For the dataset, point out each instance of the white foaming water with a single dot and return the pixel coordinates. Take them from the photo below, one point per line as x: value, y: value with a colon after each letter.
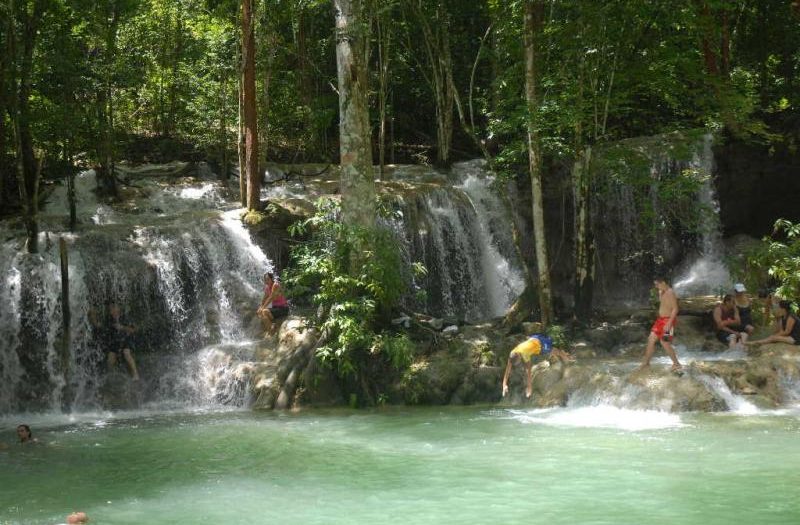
x: 504, y: 282
x: 736, y: 404
x: 686, y: 356
x: 600, y: 416
x: 252, y: 258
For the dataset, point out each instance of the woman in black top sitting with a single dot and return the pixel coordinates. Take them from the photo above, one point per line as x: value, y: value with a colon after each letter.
x: 745, y: 308
x: 789, y: 327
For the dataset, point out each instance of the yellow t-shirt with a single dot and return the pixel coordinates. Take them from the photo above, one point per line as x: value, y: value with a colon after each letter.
x: 528, y: 348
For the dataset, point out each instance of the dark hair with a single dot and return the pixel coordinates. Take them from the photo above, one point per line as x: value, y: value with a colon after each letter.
x: 728, y: 298
x: 27, y: 429
x: 660, y: 277
x: 270, y: 275
x: 786, y: 305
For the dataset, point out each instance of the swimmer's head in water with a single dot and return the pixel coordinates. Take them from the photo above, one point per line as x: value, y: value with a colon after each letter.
x: 76, y: 518
x: 24, y: 433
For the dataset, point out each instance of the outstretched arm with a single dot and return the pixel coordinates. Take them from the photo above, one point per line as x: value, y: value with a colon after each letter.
x: 505, y: 377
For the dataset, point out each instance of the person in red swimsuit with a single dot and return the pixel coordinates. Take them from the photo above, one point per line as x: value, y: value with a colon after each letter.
x: 662, y: 330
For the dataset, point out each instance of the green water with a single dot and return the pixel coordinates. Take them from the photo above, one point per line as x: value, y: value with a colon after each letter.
x: 407, y: 466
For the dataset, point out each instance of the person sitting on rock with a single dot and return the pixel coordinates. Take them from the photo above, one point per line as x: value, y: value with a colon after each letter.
x: 789, y: 329
x: 728, y: 323
x: 745, y: 307
x: 273, y: 306
x: 535, y: 345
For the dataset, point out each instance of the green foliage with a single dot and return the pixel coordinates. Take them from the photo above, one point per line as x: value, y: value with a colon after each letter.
x: 777, y: 261
x: 559, y: 336
x: 664, y: 200
x: 356, y: 278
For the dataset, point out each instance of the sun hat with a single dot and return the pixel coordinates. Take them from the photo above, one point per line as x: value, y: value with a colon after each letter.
x: 739, y: 288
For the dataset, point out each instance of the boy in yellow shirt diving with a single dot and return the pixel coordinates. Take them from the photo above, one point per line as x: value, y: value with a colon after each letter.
x: 535, y: 345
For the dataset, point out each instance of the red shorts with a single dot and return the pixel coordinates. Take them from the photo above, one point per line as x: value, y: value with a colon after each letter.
x: 660, y: 324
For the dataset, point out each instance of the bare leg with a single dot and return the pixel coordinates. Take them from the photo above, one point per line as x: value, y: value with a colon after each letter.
x: 529, y: 374
x: 266, y: 321
x: 774, y: 339
x: 126, y: 353
x: 676, y: 365
x: 648, y: 353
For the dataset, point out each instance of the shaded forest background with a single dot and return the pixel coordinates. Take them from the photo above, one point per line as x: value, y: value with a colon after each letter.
x: 88, y: 83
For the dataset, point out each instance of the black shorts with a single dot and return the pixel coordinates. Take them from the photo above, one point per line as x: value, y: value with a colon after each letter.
x: 279, y: 311
x: 724, y: 336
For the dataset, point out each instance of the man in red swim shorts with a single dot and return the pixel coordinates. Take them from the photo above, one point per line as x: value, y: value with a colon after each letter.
x: 663, y: 327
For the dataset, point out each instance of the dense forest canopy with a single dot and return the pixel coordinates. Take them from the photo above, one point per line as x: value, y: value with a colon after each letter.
x: 90, y: 82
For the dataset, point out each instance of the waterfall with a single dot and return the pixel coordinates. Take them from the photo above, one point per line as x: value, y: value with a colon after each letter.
x: 639, y: 232
x: 181, y: 271
x: 708, y: 273
x: 186, y: 273
x: 735, y: 403
x: 462, y: 234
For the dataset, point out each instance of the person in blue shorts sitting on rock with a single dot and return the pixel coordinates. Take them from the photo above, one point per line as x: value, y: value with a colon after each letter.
x: 535, y: 345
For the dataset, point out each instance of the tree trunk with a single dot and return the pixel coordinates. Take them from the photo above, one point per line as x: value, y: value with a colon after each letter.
x: 357, y: 182
x: 28, y: 169
x: 105, y: 111
x: 252, y: 173
x: 240, y: 141
x: 5, y: 90
x: 384, y: 34
x: 223, y: 126
x: 176, y: 52
x: 437, y: 49
x: 533, y: 11
x: 584, y: 239
x: 269, y: 46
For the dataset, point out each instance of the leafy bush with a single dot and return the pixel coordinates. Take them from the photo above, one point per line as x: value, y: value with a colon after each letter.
x: 356, y: 278
x: 777, y: 262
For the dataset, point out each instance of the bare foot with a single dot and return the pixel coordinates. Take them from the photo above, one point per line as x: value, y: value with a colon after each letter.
x: 676, y: 369
x: 642, y: 368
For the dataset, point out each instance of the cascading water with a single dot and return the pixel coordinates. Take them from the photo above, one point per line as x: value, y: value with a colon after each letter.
x: 639, y: 232
x: 736, y: 404
x: 708, y: 273
x: 181, y: 273
x: 182, y: 267
x: 462, y: 235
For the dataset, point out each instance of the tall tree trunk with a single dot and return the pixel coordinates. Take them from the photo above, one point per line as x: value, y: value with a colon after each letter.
x: 584, y: 238
x: 357, y: 178
x: 533, y: 12
x: 105, y: 101
x: 269, y: 47
x: 384, y: 36
x: 223, y: 126
x: 28, y: 169
x: 177, y: 51
x: 240, y: 138
x: 5, y: 91
x: 252, y: 172
x: 437, y: 49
